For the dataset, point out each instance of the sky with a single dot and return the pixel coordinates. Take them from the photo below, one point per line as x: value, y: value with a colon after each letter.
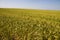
x: 31, y: 4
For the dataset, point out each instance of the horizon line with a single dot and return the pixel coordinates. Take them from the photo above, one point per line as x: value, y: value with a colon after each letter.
x: 27, y: 8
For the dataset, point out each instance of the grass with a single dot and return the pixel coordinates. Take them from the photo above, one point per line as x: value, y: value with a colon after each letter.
x: 28, y: 24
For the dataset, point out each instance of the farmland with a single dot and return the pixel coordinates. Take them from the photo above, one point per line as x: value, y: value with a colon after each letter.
x: 29, y: 24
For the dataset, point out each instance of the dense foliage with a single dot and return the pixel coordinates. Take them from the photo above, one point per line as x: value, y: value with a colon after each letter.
x: 29, y: 25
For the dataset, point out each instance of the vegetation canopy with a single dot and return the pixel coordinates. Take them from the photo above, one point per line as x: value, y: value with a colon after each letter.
x: 28, y: 24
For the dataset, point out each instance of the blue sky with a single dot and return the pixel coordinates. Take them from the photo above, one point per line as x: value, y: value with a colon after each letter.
x: 31, y: 4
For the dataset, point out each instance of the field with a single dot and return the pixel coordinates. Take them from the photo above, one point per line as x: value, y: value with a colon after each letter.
x: 29, y: 24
